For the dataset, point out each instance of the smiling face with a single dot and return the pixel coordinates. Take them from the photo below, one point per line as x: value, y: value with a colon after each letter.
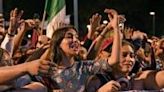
x: 127, y: 59
x: 70, y: 43
x: 64, y: 42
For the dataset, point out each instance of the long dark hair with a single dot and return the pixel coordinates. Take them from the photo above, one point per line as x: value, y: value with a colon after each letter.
x: 57, y: 37
x: 136, y: 66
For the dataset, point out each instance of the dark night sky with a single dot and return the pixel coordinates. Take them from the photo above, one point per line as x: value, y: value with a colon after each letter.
x: 136, y: 11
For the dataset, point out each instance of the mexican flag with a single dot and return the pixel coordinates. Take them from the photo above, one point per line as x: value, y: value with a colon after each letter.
x: 56, y: 12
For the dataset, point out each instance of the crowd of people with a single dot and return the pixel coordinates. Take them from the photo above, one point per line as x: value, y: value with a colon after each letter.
x: 111, y: 58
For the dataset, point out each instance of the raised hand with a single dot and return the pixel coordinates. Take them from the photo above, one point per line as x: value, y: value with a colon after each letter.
x: 94, y: 24
x: 95, y: 21
x: 1, y: 21
x: 15, y: 20
x: 28, y: 24
x: 113, y: 17
x: 2, y: 29
x: 117, y: 36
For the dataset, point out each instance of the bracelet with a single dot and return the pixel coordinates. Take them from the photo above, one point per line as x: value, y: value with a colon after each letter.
x: 11, y: 35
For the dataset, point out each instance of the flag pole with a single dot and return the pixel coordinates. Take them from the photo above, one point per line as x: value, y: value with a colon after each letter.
x: 42, y: 23
x: 1, y: 6
x: 75, y: 4
x: 43, y: 18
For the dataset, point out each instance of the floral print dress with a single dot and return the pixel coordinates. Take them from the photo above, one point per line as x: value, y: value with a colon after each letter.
x: 73, y: 79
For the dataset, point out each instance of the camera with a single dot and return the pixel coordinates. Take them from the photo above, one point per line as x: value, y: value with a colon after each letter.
x: 125, y: 84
